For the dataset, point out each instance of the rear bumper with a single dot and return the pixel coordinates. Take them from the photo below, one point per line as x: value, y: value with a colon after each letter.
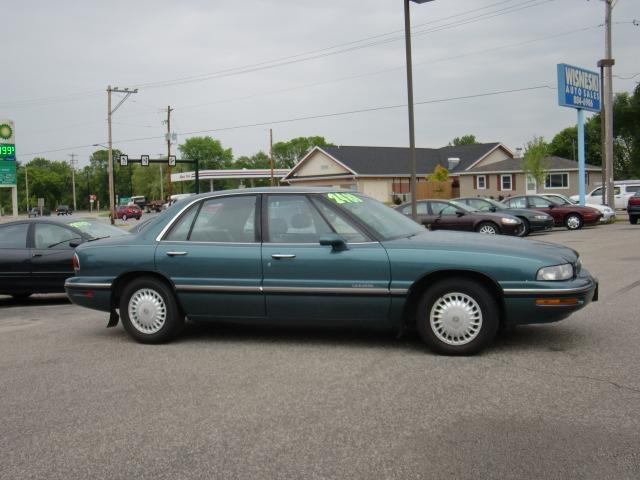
x: 95, y: 294
x: 521, y: 305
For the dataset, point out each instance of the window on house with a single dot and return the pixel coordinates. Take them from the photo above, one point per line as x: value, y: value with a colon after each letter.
x: 557, y: 180
x: 505, y: 181
x: 482, y: 182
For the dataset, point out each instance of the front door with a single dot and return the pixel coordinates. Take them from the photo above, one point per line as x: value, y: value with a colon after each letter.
x: 532, y: 186
x: 447, y: 218
x: 305, y: 282
x: 212, y: 255
x: 547, y: 206
x: 51, y: 256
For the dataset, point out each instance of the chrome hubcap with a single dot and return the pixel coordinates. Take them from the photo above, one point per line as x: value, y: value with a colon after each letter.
x: 488, y: 229
x: 147, y: 311
x: 456, y: 318
x: 573, y: 222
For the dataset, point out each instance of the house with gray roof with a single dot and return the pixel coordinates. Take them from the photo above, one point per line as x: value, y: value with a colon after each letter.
x: 483, y: 169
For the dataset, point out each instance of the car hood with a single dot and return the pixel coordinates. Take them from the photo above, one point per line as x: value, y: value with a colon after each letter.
x: 459, y: 242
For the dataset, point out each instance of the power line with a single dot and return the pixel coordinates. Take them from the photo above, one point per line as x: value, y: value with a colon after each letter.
x: 309, y: 117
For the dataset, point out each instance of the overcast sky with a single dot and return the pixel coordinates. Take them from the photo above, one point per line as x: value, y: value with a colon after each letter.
x: 60, y: 56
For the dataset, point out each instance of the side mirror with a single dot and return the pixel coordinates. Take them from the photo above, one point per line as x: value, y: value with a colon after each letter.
x: 552, y: 206
x: 492, y: 208
x: 75, y: 242
x: 459, y: 213
x: 334, y: 240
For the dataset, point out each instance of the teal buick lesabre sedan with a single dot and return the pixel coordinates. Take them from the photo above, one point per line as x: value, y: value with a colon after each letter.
x: 321, y: 256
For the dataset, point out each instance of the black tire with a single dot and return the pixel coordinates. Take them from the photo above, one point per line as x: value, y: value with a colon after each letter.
x: 526, y: 228
x: 466, y: 289
x: 124, y: 218
x: 21, y: 296
x: 154, y: 289
x: 573, y: 221
x: 486, y: 227
x: 633, y: 219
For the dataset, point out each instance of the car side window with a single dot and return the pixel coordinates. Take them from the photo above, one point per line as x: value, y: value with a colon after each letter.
x: 520, y: 202
x: 14, y: 236
x: 633, y: 188
x: 226, y: 219
x: 181, y: 229
x: 596, y: 192
x: 479, y: 205
x: 53, y: 237
x: 421, y: 207
x: 293, y: 219
x: 340, y: 225
x: 539, y: 202
x: 438, y: 207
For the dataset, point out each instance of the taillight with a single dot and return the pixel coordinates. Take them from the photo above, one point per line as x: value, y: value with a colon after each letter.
x: 635, y: 200
x: 76, y: 262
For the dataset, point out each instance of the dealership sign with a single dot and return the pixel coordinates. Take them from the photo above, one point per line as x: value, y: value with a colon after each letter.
x: 578, y: 88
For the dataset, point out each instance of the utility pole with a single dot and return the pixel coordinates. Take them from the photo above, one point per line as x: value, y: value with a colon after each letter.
x: 26, y: 185
x: 169, y: 189
x: 111, y: 111
x: 608, y: 106
x: 73, y: 178
x: 161, y: 182
x: 271, y: 154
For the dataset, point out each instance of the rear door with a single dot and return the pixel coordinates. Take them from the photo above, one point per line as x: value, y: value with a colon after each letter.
x: 212, y: 255
x: 547, y: 206
x: 51, y: 256
x: 14, y: 258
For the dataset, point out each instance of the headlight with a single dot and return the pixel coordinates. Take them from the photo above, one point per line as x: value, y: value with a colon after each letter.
x: 556, y: 272
x: 509, y: 221
x: 541, y: 217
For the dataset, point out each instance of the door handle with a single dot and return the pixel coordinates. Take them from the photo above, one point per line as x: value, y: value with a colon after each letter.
x: 282, y: 256
x: 176, y: 254
x: 36, y: 255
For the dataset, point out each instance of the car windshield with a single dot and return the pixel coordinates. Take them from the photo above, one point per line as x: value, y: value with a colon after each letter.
x: 497, y: 204
x: 462, y: 206
x: 95, y: 229
x: 559, y: 199
x: 385, y: 221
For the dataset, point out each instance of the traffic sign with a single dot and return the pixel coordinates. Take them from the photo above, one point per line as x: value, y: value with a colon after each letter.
x: 124, y: 160
x: 172, y: 160
x: 144, y: 160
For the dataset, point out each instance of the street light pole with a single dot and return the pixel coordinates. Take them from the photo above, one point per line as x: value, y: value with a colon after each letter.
x: 412, y: 138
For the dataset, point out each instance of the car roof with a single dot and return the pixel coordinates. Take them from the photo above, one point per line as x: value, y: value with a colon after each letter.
x: 57, y: 220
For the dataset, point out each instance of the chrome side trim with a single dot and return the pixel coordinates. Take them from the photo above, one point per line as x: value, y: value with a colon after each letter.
x: 94, y: 286
x: 218, y: 288
x: 544, y: 291
x: 398, y: 291
x: 313, y: 290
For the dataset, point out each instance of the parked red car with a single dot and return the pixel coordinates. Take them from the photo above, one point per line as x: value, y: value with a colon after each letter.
x: 128, y: 211
x: 633, y: 208
x: 571, y: 216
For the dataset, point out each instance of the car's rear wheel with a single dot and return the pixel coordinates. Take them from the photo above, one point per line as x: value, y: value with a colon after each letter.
x: 526, y: 228
x: 149, y: 311
x: 573, y: 221
x: 488, y: 228
x: 457, y: 316
x: 633, y: 219
x: 124, y: 217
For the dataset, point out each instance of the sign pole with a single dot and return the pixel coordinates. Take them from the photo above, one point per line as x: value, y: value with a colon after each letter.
x: 581, y: 161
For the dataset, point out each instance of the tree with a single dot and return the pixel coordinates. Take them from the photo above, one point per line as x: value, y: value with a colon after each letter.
x: 439, y: 177
x: 209, y: 152
x: 464, y: 140
x: 536, y: 152
x: 257, y: 160
x: 287, y: 154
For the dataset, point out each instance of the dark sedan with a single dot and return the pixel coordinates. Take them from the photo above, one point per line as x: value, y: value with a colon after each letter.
x: 452, y: 215
x: 36, y: 254
x: 532, y: 220
x: 64, y: 210
x: 571, y: 216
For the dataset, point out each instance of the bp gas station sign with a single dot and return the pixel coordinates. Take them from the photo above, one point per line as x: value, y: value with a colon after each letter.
x: 7, y: 153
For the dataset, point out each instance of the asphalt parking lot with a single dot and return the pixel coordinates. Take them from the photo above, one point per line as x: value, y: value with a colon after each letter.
x: 551, y: 401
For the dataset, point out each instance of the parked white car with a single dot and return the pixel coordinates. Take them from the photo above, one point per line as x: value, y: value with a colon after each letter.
x: 608, y: 214
x: 623, y: 190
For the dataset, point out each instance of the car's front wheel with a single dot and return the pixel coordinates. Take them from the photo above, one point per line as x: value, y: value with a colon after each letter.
x: 149, y: 311
x: 525, y: 227
x: 573, y: 221
x: 488, y: 228
x: 124, y: 217
x: 633, y: 220
x: 457, y: 316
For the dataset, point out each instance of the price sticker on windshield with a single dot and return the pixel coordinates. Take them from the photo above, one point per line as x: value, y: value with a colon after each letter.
x: 344, y: 198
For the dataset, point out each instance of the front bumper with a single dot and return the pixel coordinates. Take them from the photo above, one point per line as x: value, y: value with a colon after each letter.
x: 539, y: 225
x: 521, y: 307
